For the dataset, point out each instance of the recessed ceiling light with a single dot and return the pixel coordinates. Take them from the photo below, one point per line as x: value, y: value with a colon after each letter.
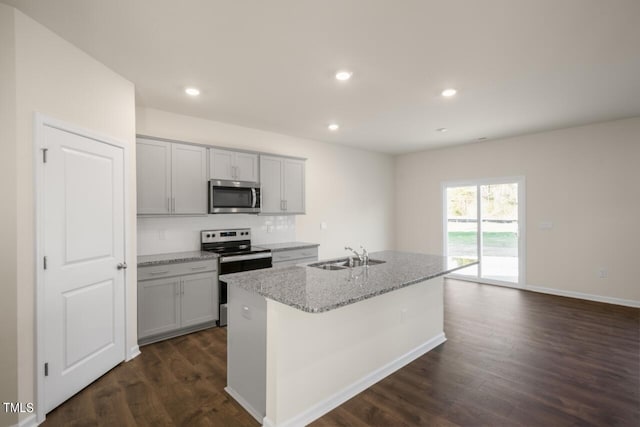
x: 192, y: 91
x: 343, y: 75
x: 449, y: 92
x: 442, y: 129
x: 334, y: 127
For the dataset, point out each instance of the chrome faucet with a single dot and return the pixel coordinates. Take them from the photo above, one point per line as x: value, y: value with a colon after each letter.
x: 365, y: 255
x: 363, y: 258
x: 347, y: 248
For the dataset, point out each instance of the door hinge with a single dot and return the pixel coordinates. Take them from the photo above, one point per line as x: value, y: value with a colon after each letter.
x: 46, y: 369
x: 44, y: 155
x: 44, y: 262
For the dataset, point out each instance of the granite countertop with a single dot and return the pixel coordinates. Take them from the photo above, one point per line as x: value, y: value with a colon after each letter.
x: 174, y: 257
x: 275, y: 247
x: 315, y: 290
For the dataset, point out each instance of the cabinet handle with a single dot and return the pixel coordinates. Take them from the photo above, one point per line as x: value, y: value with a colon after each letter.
x: 182, y: 288
x: 285, y: 205
x: 158, y: 272
x: 237, y: 171
x: 199, y: 268
x: 178, y: 290
x: 173, y: 204
x: 169, y: 204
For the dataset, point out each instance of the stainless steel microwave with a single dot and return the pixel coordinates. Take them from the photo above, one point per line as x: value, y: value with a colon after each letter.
x: 234, y: 197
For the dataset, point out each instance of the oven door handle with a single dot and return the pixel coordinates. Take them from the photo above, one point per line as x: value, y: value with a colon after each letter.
x: 232, y: 258
x: 253, y: 198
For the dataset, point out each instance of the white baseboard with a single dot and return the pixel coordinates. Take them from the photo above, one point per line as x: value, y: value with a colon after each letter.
x: 580, y: 295
x: 133, y: 353
x: 246, y: 405
x: 30, y: 421
x: 332, y: 402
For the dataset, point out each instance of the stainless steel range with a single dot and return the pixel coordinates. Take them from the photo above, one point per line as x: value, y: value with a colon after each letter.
x: 236, y: 255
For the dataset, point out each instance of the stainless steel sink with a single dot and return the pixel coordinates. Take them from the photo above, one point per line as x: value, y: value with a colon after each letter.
x: 329, y: 266
x: 341, y: 264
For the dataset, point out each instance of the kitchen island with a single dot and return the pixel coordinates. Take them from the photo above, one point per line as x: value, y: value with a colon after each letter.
x: 303, y: 340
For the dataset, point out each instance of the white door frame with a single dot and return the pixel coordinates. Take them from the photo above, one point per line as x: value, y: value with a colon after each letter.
x: 40, y: 122
x: 522, y: 260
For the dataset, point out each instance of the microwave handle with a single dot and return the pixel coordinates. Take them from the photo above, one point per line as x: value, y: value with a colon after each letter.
x: 253, y: 198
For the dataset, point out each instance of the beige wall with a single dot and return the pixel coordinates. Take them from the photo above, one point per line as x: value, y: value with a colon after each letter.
x: 58, y: 80
x: 350, y: 189
x: 8, y: 217
x: 584, y: 179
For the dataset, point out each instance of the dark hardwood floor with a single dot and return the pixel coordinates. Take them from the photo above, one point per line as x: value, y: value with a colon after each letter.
x: 512, y: 358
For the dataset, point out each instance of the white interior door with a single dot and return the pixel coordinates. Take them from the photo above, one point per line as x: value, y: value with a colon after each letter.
x: 83, y: 244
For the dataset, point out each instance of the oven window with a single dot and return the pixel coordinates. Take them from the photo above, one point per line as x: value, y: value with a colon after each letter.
x: 231, y: 197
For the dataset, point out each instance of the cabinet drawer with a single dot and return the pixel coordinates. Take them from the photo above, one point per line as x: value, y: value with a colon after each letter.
x: 178, y: 269
x: 295, y: 254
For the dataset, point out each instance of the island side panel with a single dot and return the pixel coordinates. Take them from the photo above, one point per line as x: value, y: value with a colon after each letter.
x: 246, y: 350
x: 316, y: 361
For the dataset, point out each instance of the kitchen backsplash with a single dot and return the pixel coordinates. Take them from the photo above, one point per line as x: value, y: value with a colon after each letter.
x: 177, y: 234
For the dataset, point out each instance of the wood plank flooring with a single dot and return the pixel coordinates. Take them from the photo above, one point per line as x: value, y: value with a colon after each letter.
x: 512, y: 358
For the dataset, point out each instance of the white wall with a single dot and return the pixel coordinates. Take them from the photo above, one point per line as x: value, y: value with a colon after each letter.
x: 177, y: 234
x: 8, y: 217
x: 350, y: 189
x: 586, y: 180
x: 58, y: 80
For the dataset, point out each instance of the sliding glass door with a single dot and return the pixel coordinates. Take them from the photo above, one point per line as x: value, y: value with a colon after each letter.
x: 483, y: 220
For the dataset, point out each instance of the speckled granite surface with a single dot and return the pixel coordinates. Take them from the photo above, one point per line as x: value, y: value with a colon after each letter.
x: 275, y: 247
x: 315, y: 290
x: 175, y: 257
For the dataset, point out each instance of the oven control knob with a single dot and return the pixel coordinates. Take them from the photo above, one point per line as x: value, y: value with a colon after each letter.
x: 213, y: 235
x: 208, y: 235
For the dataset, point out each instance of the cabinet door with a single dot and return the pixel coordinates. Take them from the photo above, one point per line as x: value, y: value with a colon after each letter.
x: 153, y: 164
x: 246, y: 167
x: 199, y: 298
x: 189, y: 179
x: 293, y: 186
x: 158, y: 306
x: 271, y: 183
x: 221, y: 164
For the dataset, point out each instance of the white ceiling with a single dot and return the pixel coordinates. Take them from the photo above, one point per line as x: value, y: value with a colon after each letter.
x: 519, y: 65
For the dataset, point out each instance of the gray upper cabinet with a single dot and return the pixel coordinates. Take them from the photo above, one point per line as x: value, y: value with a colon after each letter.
x: 271, y: 183
x: 171, y: 178
x: 189, y: 179
x: 283, y: 185
x: 153, y: 163
x: 233, y: 165
x: 293, y: 186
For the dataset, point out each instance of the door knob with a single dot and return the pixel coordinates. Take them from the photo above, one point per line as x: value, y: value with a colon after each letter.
x: 122, y: 266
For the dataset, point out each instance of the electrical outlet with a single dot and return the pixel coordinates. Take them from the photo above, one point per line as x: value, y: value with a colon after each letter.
x: 603, y: 273
x: 323, y: 225
x: 162, y: 235
x: 269, y: 228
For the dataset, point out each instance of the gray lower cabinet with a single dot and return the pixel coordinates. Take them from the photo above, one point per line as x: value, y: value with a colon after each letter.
x: 295, y: 256
x: 175, y: 299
